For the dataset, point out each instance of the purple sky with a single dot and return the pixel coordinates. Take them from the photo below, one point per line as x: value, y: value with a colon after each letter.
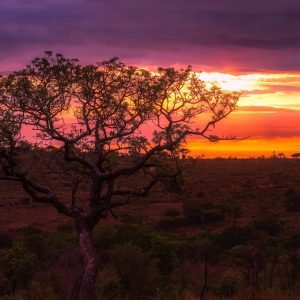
x: 250, y: 36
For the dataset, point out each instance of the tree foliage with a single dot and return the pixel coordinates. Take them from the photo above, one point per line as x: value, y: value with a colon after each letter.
x: 95, y: 114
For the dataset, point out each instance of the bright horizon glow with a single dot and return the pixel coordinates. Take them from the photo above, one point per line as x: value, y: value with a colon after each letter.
x: 268, y: 112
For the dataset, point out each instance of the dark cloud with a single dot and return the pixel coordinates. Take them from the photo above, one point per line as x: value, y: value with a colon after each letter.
x: 252, y: 35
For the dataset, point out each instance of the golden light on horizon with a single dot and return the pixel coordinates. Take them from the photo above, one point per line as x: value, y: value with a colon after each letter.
x: 268, y: 112
x: 231, y: 82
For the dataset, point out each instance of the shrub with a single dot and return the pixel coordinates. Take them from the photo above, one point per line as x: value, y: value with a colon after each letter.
x: 133, y: 219
x: 18, y: 267
x: 212, y: 215
x: 24, y: 201
x: 227, y: 284
x: 113, y: 290
x: 136, y: 271
x: 105, y: 237
x: 294, y: 242
x: 171, y: 212
x: 269, y: 224
x: 174, y: 222
x: 234, y: 236
x: 292, y: 201
x: 200, y: 212
x: 232, y: 209
x: 66, y: 227
x: 5, y: 241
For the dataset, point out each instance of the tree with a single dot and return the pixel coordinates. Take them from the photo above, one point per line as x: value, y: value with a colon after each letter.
x: 96, y: 113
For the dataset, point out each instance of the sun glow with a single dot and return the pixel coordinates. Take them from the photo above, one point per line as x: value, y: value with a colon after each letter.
x: 231, y: 82
x: 268, y: 112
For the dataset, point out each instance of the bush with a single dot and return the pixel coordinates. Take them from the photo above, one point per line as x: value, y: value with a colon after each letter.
x: 113, y: 291
x: 18, y: 266
x: 292, y: 201
x: 136, y: 271
x: 234, y: 236
x: 212, y: 215
x: 66, y: 227
x: 171, y: 212
x: 5, y: 241
x: 269, y: 224
x: 133, y: 219
x: 24, y: 201
x: 174, y: 222
x: 226, y: 285
x: 200, y: 212
x: 294, y: 242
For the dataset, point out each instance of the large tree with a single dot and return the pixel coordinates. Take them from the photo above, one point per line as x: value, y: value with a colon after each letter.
x: 97, y: 113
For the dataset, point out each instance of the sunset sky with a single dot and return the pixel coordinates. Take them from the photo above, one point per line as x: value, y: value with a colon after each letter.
x: 251, y: 46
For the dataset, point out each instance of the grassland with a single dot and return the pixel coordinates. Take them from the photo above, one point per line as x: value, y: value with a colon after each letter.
x: 236, y: 219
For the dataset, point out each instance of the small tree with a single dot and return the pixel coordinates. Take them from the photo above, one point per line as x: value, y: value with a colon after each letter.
x: 97, y: 113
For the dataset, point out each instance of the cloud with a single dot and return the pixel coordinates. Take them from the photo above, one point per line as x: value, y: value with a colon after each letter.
x: 253, y: 35
x: 265, y: 109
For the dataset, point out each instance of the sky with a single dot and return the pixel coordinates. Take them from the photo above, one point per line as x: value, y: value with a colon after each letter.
x: 252, y: 46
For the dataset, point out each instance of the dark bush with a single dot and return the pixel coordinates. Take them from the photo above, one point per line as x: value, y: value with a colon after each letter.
x: 234, y: 236
x: 136, y: 271
x: 113, y: 290
x: 171, y: 212
x: 5, y: 240
x: 294, y: 242
x: 66, y: 227
x: 24, y: 201
x: 174, y: 222
x: 18, y: 266
x: 202, y: 212
x: 212, y: 215
x: 269, y: 224
x: 36, y: 243
x: 226, y: 285
x: 292, y: 201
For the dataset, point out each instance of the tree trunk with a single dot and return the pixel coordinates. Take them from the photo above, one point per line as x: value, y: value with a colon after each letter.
x: 90, y: 265
x: 204, y: 287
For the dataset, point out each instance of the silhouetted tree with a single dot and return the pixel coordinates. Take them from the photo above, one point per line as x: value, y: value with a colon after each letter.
x: 95, y: 112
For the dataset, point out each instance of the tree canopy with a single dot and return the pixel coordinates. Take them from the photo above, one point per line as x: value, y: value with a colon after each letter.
x: 96, y: 113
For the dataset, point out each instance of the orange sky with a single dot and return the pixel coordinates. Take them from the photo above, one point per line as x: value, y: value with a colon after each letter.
x: 268, y: 112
